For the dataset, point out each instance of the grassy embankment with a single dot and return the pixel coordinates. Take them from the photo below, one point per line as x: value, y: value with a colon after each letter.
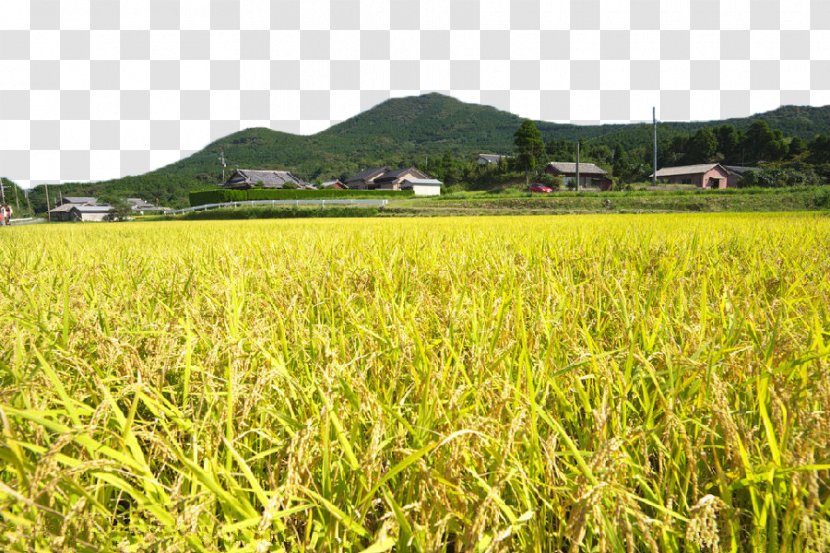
x: 520, y: 202
x: 591, y: 383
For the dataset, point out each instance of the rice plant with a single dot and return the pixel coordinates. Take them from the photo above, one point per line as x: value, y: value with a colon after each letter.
x: 590, y: 383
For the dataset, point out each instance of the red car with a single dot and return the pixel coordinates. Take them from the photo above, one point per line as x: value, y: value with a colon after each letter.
x: 541, y: 188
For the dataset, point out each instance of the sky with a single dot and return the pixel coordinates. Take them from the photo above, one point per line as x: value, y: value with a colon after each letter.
x: 98, y: 89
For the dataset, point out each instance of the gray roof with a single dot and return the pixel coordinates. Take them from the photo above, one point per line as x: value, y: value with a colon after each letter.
x: 686, y: 170
x: 138, y: 203
x: 269, y: 179
x: 570, y: 168
x: 92, y: 208
x: 424, y: 182
x: 63, y: 208
x: 739, y: 170
x: 491, y: 158
x: 79, y: 200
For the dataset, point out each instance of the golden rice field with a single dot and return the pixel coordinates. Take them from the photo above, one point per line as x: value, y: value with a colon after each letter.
x: 589, y: 383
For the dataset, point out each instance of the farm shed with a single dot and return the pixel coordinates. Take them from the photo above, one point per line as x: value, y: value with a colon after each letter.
x: 423, y: 187
x: 90, y: 213
x: 61, y: 213
x: 590, y: 175
x: 709, y: 175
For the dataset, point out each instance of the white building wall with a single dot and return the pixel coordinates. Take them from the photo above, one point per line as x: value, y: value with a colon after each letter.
x: 426, y: 190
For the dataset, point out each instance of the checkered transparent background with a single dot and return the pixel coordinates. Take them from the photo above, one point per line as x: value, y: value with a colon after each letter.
x: 96, y: 89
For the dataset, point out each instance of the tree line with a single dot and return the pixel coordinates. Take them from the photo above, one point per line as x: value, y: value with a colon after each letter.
x: 781, y: 160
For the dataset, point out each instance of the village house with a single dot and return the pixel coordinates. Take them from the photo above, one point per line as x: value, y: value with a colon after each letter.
x: 383, y: 178
x: 243, y: 179
x: 708, y: 175
x: 490, y: 159
x: 590, y: 175
x: 62, y: 213
x: 80, y: 212
x: 393, y: 180
x: 365, y: 180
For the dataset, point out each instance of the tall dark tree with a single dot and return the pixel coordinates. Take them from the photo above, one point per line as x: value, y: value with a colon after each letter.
x: 451, y: 171
x: 820, y: 149
x: 761, y: 143
x: 729, y: 140
x: 561, y: 150
x: 798, y: 146
x: 703, y: 146
x: 529, y: 147
x: 600, y: 153
x: 621, y: 163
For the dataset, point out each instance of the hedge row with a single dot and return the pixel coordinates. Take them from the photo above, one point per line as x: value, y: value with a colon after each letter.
x: 222, y: 195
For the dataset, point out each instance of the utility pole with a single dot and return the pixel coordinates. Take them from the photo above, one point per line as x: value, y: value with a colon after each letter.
x: 654, y: 118
x: 577, y: 165
x: 48, y: 215
x: 224, y: 164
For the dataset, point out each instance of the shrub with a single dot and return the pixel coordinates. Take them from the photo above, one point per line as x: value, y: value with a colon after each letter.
x: 221, y: 195
x: 779, y: 176
x: 553, y: 181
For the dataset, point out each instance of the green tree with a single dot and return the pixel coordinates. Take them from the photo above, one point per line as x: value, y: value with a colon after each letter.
x: 703, y: 146
x: 121, y: 210
x: 820, y: 149
x: 729, y: 141
x: 761, y: 143
x: 798, y: 146
x: 529, y: 147
x: 450, y: 169
x: 620, y: 166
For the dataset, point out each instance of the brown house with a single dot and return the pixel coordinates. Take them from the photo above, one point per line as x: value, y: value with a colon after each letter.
x: 708, y: 175
x: 393, y: 180
x: 365, y: 180
x: 383, y: 178
x: 590, y: 175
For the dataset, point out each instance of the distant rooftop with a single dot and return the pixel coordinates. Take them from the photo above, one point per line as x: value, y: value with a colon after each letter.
x: 584, y: 168
x: 698, y: 169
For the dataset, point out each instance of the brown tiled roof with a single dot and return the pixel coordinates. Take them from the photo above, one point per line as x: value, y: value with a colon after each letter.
x: 398, y: 173
x: 368, y: 174
x: 570, y: 168
x: 698, y: 169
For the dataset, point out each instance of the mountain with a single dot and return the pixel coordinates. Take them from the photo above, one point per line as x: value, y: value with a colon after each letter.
x: 404, y: 131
